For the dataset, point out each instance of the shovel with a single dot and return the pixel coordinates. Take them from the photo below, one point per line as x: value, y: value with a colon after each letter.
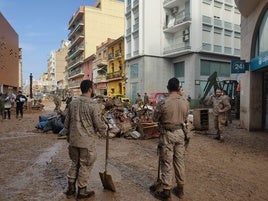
x: 106, y: 179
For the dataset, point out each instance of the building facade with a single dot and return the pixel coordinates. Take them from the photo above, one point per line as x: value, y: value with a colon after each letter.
x: 254, y: 50
x: 56, y: 66
x: 186, y: 39
x: 116, y: 74
x: 10, y: 57
x: 89, y: 26
x: 100, y: 68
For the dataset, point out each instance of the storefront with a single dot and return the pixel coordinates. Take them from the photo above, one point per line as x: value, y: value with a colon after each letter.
x: 254, y: 49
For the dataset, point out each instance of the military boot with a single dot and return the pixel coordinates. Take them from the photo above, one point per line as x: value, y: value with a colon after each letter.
x: 178, y: 191
x: 83, y: 193
x: 162, y: 195
x: 71, y: 190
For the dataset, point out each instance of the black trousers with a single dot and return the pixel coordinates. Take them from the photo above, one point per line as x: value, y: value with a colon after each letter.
x: 19, y: 110
x: 7, y: 113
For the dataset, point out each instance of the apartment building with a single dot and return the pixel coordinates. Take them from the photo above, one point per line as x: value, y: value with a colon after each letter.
x: 187, y: 39
x: 100, y: 67
x: 10, y: 57
x: 56, y: 64
x: 116, y: 75
x: 254, y: 50
x: 89, y: 26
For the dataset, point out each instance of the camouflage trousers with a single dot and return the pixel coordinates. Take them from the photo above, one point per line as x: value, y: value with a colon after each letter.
x: 172, y: 155
x: 219, y: 122
x: 82, y: 163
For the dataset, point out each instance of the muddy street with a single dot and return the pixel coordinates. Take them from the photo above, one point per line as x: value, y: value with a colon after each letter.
x: 34, y: 165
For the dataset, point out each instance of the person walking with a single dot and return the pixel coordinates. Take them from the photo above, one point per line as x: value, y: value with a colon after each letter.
x: 145, y: 99
x: 138, y: 100
x: 20, y: 100
x: 171, y: 113
x: 83, y: 120
x: 8, y: 101
x: 220, y: 106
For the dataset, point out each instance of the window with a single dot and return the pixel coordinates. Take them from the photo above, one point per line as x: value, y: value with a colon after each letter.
x: 209, y: 67
x: 179, y: 69
x: 262, y: 40
x: 134, y: 71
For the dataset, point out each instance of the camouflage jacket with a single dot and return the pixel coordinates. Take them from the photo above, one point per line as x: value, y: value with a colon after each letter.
x: 83, y: 121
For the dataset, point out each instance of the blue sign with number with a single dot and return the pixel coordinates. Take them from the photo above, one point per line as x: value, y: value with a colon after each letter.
x: 238, y: 66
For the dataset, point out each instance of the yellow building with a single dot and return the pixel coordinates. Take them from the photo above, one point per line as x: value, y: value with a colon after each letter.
x: 89, y: 26
x: 116, y: 68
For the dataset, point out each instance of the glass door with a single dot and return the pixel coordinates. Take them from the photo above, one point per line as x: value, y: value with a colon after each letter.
x: 265, y: 101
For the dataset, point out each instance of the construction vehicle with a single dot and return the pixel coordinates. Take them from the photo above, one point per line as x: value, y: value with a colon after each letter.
x: 230, y: 86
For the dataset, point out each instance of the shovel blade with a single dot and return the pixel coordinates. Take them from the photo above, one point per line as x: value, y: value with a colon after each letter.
x: 107, y: 181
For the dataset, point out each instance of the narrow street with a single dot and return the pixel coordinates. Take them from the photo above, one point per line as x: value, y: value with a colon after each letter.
x: 34, y: 165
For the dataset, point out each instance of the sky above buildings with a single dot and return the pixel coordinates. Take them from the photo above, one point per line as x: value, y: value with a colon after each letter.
x: 41, y: 26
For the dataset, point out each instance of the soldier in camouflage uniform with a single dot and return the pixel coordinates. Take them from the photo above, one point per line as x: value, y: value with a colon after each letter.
x: 83, y: 120
x: 171, y: 113
x: 220, y: 106
x: 57, y: 102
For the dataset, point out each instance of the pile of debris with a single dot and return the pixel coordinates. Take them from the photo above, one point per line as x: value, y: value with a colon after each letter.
x: 129, y: 121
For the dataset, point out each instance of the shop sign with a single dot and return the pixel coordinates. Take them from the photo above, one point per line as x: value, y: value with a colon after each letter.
x: 259, y: 62
x: 238, y: 66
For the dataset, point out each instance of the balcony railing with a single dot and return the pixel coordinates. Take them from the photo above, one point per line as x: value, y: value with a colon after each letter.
x: 118, y: 53
x: 100, y: 79
x: 180, y: 18
x: 75, y: 73
x: 77, y: 39
x: 75, y: 62
x: 74, y: 51
x: 176, y: 48
x: 117, y: 74
x: 77, y: 28
x: 74, y: 84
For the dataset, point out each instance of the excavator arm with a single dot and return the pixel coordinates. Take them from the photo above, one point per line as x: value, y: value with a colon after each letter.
x: 212, y: 82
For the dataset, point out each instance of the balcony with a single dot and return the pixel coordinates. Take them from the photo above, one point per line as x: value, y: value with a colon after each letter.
x: 114, y: 76
x: 75, y: 73
x: 170, y: 3
x: 100, y: 79
x: 177, y: 49
x: 76, y: 29
x: 77, y: 16
x: 118, y: 53
x: 76, y: 40
x: 175, y: 23
x: 75, y: 51
x: 77, y: 61
x: 101, y: 62
x: 74, y: 84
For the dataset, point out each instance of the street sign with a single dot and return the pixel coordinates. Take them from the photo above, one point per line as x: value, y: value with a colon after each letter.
x: 238, y: 66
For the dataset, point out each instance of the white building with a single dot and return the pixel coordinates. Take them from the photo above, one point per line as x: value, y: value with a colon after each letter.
x: 187, y: 39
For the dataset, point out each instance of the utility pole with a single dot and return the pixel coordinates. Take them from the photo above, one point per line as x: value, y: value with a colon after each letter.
x: 31, y: 86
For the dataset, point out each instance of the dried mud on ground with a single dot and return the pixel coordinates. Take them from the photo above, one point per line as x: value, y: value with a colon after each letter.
x: 34, y: 165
